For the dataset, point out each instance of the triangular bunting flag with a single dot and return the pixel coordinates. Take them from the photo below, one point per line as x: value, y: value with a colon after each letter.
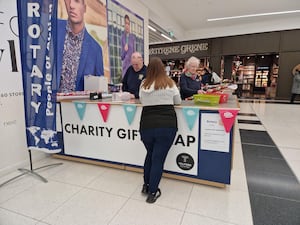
x: 104, y: 110
x: 228, y: 117
x: 130, y: 112
x: 80, y: 108
x: 190, y: 115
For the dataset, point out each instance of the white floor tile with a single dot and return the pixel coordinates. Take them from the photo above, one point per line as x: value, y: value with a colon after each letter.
x: 252, y: 118
x: 193, y: 219
x: 246, y: 108
x: 238, y: 180
x: 228, y: 205
x: 252, y: 127
x: 79, y: 174
x: 49, y: 171
x: 292, y: 156
x: 11, y: 218
x: 137, y: 212
x: 16, y: 186
x: 237, y: 157
x: 119, y: 182
x: 41, y: 199
x: 295, y: 166
x: 175, y: 194
x: 87, y: 207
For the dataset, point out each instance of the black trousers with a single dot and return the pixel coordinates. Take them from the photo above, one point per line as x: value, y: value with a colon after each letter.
x: 158, y: 142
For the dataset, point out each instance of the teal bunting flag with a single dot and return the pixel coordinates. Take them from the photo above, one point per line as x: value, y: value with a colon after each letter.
x: 80, y: 108
x: 130, y: 110
x: 190, y: 115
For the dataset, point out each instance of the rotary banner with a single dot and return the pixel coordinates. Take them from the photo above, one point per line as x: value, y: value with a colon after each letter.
x: 37, y: 32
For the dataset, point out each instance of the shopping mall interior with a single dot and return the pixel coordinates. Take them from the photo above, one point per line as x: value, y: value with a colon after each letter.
x: 253, y: 45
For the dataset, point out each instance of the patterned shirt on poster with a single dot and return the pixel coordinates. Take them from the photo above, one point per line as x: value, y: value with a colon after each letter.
x: 71, y: 57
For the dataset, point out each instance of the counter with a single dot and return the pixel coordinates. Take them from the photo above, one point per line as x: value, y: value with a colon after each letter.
x: 107, y: 133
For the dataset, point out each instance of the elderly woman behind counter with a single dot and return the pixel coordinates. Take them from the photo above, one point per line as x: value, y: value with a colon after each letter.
x: 190, y: 82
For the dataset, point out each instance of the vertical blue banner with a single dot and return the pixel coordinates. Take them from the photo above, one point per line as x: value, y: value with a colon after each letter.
x: 37, y: 33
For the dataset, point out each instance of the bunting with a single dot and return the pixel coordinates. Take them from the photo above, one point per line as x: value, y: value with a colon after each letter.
x: 104, y: 110
x: 130, y: 110
x: 80, y: 108
x: 228, y: 117
x: 190, y: 115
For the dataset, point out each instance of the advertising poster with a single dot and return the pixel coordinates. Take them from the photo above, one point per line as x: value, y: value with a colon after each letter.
x: 12, y: 120
x: 86, y: 42
x: 126, y: 35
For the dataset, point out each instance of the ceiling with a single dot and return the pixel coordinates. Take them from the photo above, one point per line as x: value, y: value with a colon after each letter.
x: 188, y: 19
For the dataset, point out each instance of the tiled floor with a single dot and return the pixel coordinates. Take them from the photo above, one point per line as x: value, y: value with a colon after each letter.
x: 82, y: 194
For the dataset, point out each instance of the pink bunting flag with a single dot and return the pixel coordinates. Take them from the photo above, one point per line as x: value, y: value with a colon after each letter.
x: 228, y: 118
x: 104, y: 110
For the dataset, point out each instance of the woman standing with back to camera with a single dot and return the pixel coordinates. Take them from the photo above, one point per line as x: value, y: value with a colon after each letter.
x: 158, y: 126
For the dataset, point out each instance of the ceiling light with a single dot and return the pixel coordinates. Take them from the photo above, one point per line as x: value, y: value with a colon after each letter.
x: 166, y: 37
x: 152, y: 28
x: 253, y: 15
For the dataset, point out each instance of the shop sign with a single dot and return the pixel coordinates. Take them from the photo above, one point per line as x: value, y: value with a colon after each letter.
x: 180, y: 50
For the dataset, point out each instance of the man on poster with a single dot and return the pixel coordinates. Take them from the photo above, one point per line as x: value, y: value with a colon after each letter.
x: 127, y: 45
x: 78, y: 52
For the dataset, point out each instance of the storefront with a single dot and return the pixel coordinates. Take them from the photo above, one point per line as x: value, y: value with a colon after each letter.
x: 255, y: 74
x: 264, y: 58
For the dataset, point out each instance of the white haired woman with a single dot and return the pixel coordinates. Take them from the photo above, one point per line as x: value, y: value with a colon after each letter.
x: 190, y: 82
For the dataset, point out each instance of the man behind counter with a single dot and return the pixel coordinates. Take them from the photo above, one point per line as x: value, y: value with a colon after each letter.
x: 134, y: 75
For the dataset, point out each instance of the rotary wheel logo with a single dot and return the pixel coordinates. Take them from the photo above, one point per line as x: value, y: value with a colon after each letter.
x: 185, y: 161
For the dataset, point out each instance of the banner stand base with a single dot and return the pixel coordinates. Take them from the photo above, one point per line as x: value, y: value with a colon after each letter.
x: 31, y: 171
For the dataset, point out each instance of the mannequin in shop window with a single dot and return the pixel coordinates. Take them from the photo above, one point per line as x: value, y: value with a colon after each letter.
x: 296, y: 83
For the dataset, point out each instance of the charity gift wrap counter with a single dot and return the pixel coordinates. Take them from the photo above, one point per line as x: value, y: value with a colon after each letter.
x: 106, y: 132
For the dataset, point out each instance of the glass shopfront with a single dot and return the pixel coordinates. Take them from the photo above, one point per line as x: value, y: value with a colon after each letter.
x: 256, y: 75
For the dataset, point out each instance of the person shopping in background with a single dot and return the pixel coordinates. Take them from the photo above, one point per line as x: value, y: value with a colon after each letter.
x: 206, y: 77
x: 215, y: 79
x: 296, y: 83
x: 78, y: 52
x: 158, y: 124
x: 134, y: 75
x: 190, y: 82
x: 127, y: 45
